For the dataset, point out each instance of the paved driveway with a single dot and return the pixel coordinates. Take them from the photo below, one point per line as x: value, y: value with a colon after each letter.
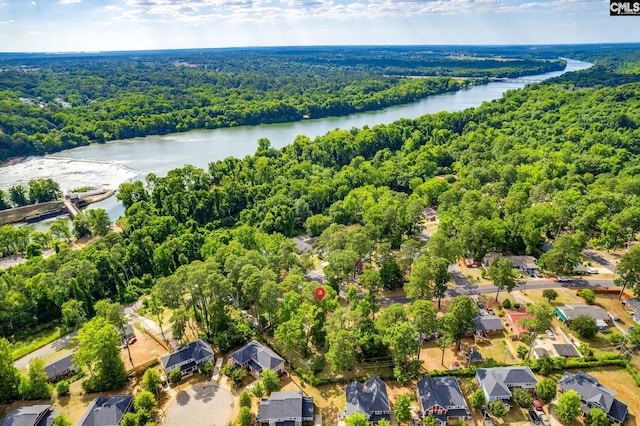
x: 203, y: 404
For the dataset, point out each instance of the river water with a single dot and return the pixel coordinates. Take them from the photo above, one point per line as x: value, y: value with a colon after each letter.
x: 114, y: 162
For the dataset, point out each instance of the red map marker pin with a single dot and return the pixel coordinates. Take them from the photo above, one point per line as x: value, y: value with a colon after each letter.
x: 320, y: 293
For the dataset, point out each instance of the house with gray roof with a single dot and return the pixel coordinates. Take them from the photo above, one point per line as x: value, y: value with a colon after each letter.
x: 256, y: 357
x: 566, y: 350
x: 107, y: 412
x: 60, y: 369
x: 634, y: 304
x: 568, y: 313
x: 35, y: 415
x: 593, y: 394
x: 497, y: 383
x: 441, y: 397
x: 369, y: 398
x: 188, y: 358
x: 289, y: 408
x: 488, y: 324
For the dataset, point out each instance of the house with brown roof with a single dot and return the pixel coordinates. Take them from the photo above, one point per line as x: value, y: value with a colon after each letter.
x: 512, y: 320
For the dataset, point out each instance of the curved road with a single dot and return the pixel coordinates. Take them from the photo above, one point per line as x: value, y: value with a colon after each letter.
x: 45, y: 350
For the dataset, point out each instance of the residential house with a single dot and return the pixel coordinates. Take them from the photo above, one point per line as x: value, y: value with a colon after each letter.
x: 35, y: 415
x: 474, y: 358
x: 568, y: 313
x: 255, y: 357
x: 513, y: 323
x: 188, y: 358
x: 593, y: 394
x: 285, y: 408
x: 107, y: 412
x: 633, y: 304
x: 488, y: 324
x: 525, y: 264
x: 60, y: 369
x: 369, y: 398
x: 441, y: 397
x: 566, y: 350
x: 430, y: 215
x: 540, y: 353
x: 497, y: 383
x: 304, y: 243
x: 127, y: 333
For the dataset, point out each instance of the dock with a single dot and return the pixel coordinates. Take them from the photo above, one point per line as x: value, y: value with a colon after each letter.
x: 71, y: 208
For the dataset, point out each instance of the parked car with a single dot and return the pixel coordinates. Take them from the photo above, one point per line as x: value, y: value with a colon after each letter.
x: 416, y: 421
x: 535, y: 419
x: 544, y: 419
x: 132, y: 341
x: 490, y: 310
x: 592, y: 271
x: 480, y: 304
x: 550, y: 334
x: 537, y: 405
x: 564, y: 279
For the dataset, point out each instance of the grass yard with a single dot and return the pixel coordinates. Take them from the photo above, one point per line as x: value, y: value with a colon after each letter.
x: 565, y: 296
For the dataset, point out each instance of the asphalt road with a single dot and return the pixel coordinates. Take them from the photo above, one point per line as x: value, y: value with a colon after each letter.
x: 46, y: 349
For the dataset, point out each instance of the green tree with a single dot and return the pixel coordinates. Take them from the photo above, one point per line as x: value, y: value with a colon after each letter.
x: 402, y: 408
x: 588, y: 295
x: 9, y: 375
x: 42, y: 190
x: 477, y: 399
x: 502, y: 274
x: 151, y: 381
x: 60, y: 230
x: 245, y: 399
x: 258, y: 389
x: 458, y: 320
x: 343, y: 349
x: 245, y: 418
x: 549, y: 294
x: 565, y: 254
x: 175, y: 376
x: 99, y: 351
x: 73, y: 313
x: 497, y: 409
x: 423, y: 316
x: 129, y: 419
x: 634, y: 337
x: 429, y: 421
x: 629, y: 270
x: 596, y: 417
x: 546, y: 389
x: 18, y: 196
x: 569, y: 406
x: 100, y: 222
x: 541, y: 317
x: 206, y: 368
x: 61, y: 420
x: 81, y: 225
x: 585, y: 326
x: 270, y: 380
x: 34, y: 385
x: 522, y: 397
x: 357, y: 419
x: 62, y: 388
x: 145, y: 401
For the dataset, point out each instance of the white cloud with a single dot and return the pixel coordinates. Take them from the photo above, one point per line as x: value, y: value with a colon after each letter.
x: 69, y: 1
x: 10, y: 21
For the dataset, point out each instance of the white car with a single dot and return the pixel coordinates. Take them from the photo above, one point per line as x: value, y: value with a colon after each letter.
x: 563, y: 279
x: 550, y: 334
x: 544, y: 419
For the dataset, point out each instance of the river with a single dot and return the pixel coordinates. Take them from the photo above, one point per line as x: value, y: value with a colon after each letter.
x: 114, y: 162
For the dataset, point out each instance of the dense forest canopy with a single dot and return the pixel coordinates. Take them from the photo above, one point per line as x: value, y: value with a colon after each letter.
x: 54, y: 102
x: 559, y: 159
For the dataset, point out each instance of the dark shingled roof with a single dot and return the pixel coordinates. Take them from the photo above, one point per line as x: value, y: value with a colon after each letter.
x: 487, y: 322
x: 566, y: 349
x: 281, y: 405
x: 494, y: 381
x: 59, y: 367
x: 593, y: 392
x: 198, y: 351
x: 442, y: 391
x: 35, y: 415
x: 106, y: 412
x: 368, y: 397
x: 258, y: 355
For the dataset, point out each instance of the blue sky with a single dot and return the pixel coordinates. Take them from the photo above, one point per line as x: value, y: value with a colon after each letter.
x: 92, y: 25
